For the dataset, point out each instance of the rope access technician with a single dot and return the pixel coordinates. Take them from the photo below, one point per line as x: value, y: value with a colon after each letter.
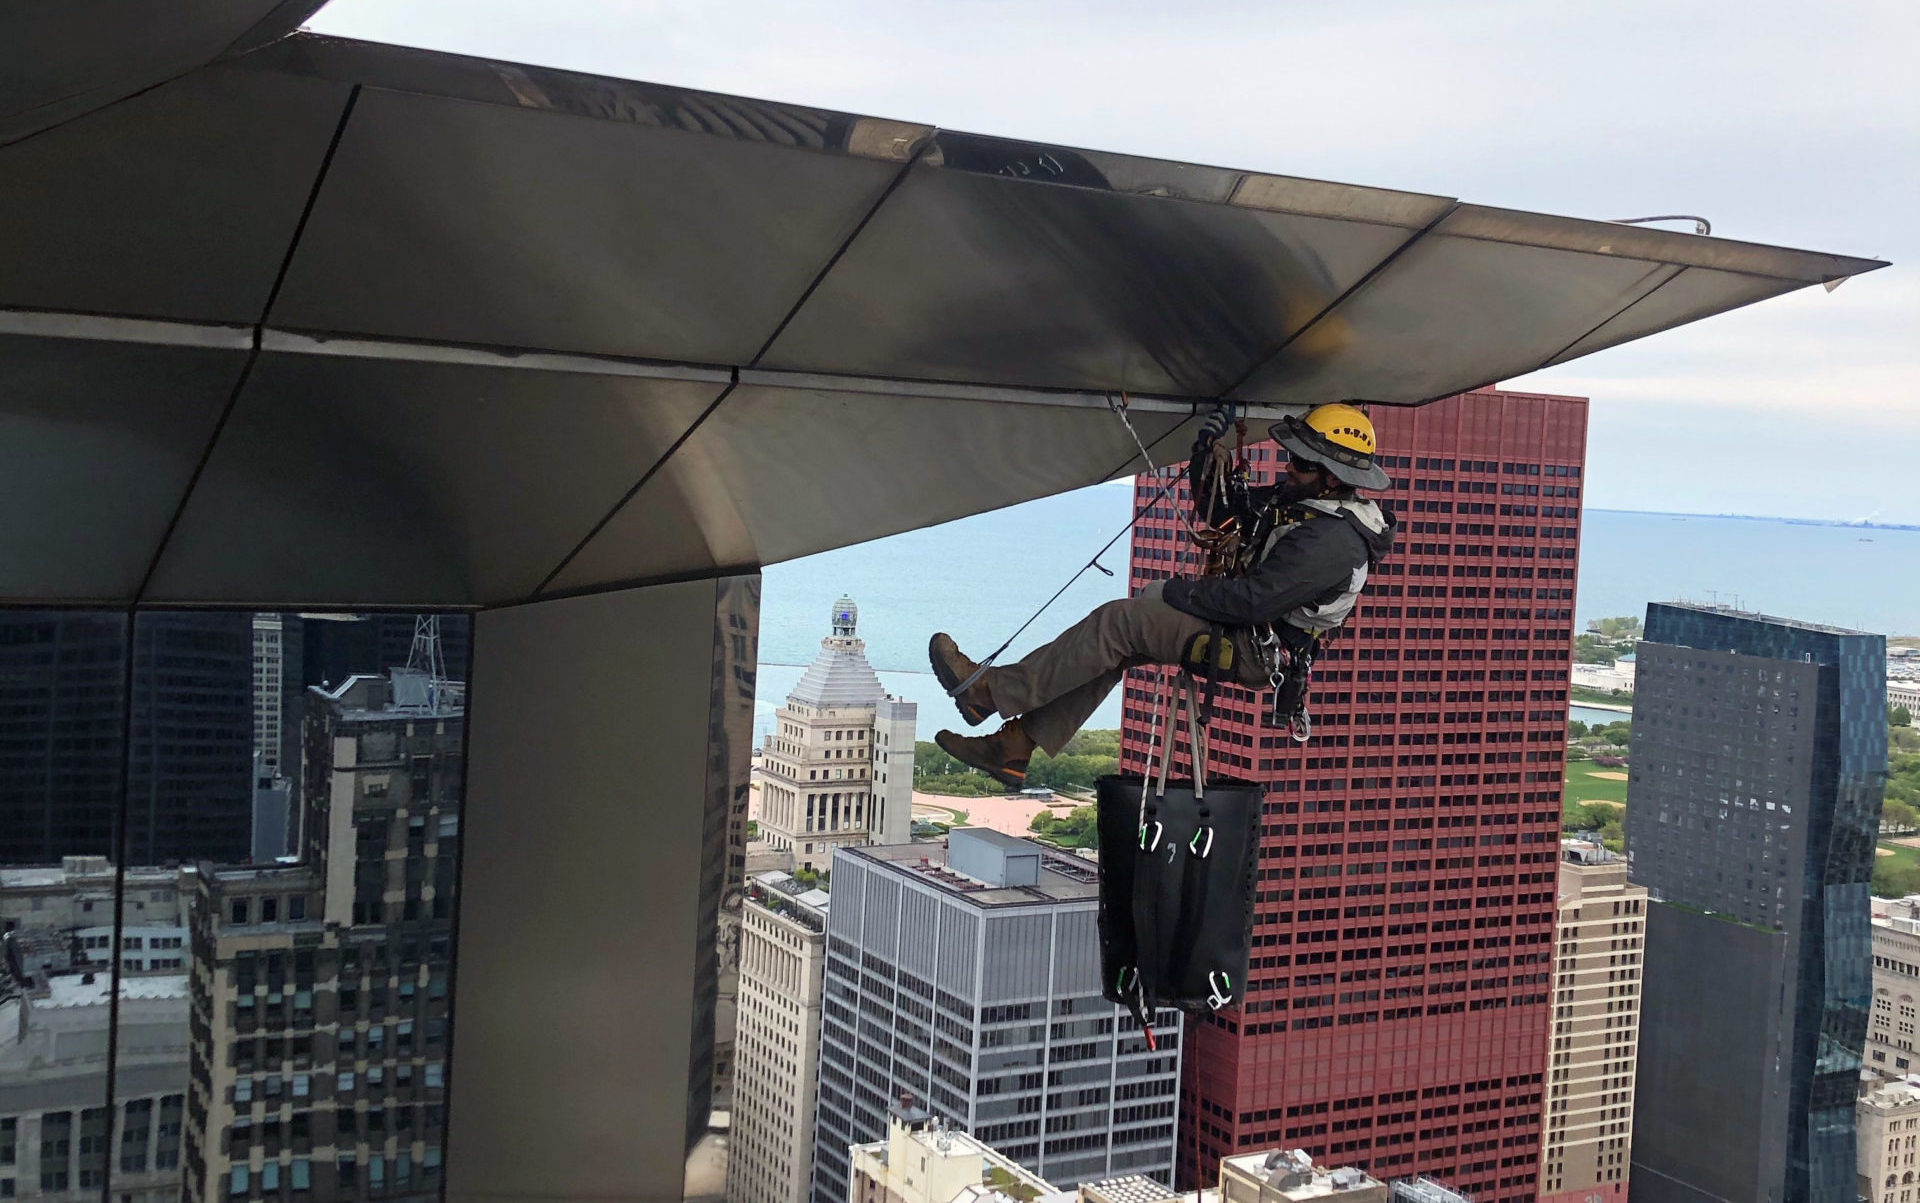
x: 1292, y: 559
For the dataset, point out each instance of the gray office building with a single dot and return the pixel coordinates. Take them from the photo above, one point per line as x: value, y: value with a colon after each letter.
x: 1758, y: 750
x: 966, y: 980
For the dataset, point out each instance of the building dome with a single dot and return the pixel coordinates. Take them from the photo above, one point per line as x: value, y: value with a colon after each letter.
x: 846, y: 617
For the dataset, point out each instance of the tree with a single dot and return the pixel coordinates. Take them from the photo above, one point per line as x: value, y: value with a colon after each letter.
x: 1588, y: 649
x: 1895, y: 877
x: 1899, y: 716
x: 1593, y: 816
x: 1080, y: 828
x: 1898, y: 814
x: 1576, y: 729
x: 1625, y: 627
x: 1613, y: 836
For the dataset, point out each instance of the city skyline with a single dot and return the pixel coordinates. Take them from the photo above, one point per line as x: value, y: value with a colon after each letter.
x: 213, y: 1087
x: 531, y: 344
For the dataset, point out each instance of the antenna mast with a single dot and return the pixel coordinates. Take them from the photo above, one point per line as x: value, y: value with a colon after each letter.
x: 425, y: 657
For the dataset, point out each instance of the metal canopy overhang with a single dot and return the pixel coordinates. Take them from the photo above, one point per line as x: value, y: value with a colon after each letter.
x: 335, y: 323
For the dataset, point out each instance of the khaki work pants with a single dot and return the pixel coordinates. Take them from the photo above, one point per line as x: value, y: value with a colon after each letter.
x: 1055, y: 688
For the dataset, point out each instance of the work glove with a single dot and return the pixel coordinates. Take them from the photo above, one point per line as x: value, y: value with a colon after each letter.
x: 1211, y: 430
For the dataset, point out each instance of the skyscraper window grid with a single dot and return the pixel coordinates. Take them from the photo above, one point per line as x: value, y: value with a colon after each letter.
x: 1397, y: 1012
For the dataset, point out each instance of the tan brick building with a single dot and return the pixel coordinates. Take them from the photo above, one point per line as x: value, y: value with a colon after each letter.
x: 1887, y: 1134
x: 319, y: 991
x: 1600, y: 932
x: 1896, y: 987
x: 837, y: 770
x: 777, y: 1042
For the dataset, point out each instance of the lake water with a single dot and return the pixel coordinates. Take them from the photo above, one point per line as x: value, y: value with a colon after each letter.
x: 1594, y: 716
x: 980, y: 577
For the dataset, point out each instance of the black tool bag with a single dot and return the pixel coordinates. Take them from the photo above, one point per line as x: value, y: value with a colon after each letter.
x: 1178, y: 862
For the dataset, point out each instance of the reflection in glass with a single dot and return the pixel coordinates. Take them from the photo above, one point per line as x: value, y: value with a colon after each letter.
x: 270, y: 969
x: 62, y: 731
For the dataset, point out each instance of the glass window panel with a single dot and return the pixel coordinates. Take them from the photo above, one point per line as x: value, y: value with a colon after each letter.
x: 206, y: 761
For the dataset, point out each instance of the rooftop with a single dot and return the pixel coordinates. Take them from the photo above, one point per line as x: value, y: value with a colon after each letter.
x: 1770, y: 619
x: 90, y: 989
x: 1062, y: 878
x: 1293, y: 1174
x: 782, y: 892
x: 1899, y: 1094
x: 1134, y: 1188
x: 1000, y: 1178
x: 1586, y: 852
x: 74, y: 869
x: 839, y: 676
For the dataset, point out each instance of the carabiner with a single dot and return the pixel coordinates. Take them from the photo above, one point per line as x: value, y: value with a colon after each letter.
x: 1146, y: 844
x: 1220, y: 988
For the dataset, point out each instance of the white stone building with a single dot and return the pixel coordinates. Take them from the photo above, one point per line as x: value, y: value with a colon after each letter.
x: 777, y: 1041
x: 837, y: 769
x: 1616, y: 677
x: 1905, y: 693
x: 922, y: 1160
x: 56, y: 1138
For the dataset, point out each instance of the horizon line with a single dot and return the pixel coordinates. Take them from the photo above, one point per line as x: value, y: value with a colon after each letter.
x: 1857, y: 524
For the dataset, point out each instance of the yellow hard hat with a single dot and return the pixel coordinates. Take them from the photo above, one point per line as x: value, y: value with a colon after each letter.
x: 1337, y: 436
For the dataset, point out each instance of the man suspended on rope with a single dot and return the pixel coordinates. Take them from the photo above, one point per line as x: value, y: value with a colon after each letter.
x: 1296, y: 555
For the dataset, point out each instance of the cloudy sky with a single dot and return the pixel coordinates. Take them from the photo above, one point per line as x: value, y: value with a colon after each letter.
x: 1790, y: 123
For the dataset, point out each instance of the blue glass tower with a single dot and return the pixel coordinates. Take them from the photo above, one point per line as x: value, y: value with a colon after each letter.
x: 1758, y: 764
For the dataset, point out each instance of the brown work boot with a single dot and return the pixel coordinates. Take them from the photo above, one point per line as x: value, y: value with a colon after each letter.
x: 950, y: 667
x: 1002, y: 756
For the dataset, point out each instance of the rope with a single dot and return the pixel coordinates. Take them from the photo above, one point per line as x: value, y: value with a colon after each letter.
x: 1119, y: 406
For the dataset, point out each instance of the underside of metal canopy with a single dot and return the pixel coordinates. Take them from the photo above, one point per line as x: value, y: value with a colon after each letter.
x: 325, y: 322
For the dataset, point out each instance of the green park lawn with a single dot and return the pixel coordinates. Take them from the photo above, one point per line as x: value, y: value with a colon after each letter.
x: 1583, y: 786
x: 1905, y: 858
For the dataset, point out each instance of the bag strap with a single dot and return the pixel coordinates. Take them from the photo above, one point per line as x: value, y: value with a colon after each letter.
x: 1161, y: 736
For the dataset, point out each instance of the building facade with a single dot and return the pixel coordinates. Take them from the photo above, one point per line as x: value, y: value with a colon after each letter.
x: 837, y: 770
x: 1398, y: 1011
x: 56, y: 970
x: 57, y: 1140
x: 1896, y: 987
x: 1887, y: 1130
x: 273, y: 673
x: 1759, y: 749
x: 1601, y: 929
x: 1904, y: 693
x: 776, y: 1041
x: 63, y: 763
x: 966, y: 979
x: 320, y: 990
x: 79, y: 895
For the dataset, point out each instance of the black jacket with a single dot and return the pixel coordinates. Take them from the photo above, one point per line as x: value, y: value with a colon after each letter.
x: 1313, y: 564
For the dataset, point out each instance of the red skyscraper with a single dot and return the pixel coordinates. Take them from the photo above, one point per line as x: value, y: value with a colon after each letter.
x: 1397, y: 1014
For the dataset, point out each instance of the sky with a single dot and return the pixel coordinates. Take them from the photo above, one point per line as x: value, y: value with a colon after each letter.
x: 1789, y: 123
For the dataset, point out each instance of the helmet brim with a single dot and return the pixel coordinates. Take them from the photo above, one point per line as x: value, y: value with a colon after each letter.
x: 1292, y: 434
